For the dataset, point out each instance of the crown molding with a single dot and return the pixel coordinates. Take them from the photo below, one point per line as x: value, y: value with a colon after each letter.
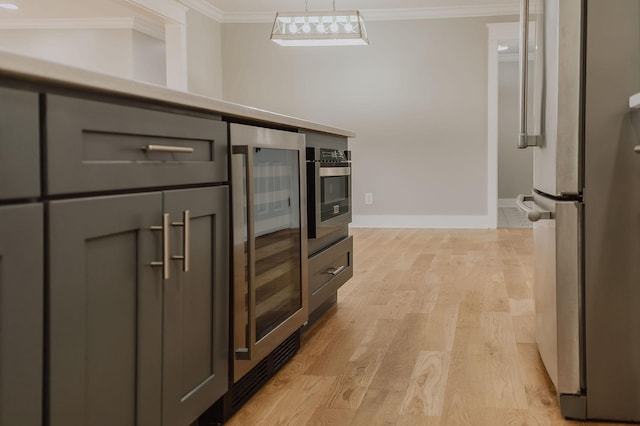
x: 393, y: 14
x: 440, y: 12
x: 167, y: 9
x: 205, y: 8
x: 148, y: 28
x: 84, y: 24
x: 66, y: 23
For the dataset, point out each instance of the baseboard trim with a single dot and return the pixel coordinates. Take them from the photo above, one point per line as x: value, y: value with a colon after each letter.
x: 418, y: 221
x: 507, y: 202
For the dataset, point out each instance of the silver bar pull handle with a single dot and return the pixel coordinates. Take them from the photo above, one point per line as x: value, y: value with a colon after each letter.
x: 186, y: 240
x: 243, y: 354
x: 636, y: 149
x: 335, y: 171
x: 335, y: 271
x: 533, y: 215
x: 168, y: 148
x: 244, y: 312
x: 165, y: 246
x: 525, y: 140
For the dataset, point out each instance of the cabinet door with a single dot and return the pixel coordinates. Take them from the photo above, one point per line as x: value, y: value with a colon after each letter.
x: 19, y: 144
x: 196, y: 305
x: 105, y: 311
x: 21, y: 307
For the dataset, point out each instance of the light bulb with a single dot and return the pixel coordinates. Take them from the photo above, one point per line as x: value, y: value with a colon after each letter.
x: 333, y: 27
x: 306, y: 27
x: 293, y: 28
x: 320, y: 28
x: 348, y: 27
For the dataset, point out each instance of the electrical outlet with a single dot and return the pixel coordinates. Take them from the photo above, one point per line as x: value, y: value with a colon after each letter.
x: 368, y: 198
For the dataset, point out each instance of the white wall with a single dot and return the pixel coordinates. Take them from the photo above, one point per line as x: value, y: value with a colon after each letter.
x: 108, y: 51
x: 149, y: 61
x: 204, y: 55
x: 515, y: 166
x: 128, y: 53
x: 416, y: 97
x: 121, y: 52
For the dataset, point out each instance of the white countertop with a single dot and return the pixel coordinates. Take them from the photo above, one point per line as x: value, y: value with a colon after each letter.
x: 37, y: 70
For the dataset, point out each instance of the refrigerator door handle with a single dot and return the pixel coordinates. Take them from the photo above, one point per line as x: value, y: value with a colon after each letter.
x: 525, y: 140
x: 533, y: 214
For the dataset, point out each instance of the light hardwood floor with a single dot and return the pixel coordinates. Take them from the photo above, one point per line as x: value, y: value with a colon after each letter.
x: 435, y: 328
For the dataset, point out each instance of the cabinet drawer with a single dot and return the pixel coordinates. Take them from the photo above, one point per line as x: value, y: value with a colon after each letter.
x: 98, y: 146
x: 328, y: 270
x: 19, y: 144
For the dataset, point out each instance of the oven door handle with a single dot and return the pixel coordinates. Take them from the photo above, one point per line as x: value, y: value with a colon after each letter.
x: 335, y: 171
x: 244, y: 295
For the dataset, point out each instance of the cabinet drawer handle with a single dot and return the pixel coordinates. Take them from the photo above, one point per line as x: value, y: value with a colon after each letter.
x: 167, y: 148
x: 186, y: 240
x: 165, y: 246
x: 335, y: 271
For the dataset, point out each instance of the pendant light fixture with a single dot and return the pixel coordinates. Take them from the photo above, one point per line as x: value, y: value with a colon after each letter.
x: 329, y: 28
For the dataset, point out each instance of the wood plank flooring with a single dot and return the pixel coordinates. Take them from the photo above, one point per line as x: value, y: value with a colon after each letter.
x: 436, y: 327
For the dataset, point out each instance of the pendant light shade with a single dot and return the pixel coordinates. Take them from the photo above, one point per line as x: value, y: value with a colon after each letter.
x: 330, y: 28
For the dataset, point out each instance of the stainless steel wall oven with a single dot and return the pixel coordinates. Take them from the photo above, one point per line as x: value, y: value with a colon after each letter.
x: 329, y: 214
x: 329, y: 190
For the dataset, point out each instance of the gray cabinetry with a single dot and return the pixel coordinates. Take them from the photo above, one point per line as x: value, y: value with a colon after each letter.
x: 105, y: 312
x: 132, y: 343
x: 196, y: 304
x: 138, y: 282
x: 19, y: 144
x: 99, y: 146
x: 21, y: 307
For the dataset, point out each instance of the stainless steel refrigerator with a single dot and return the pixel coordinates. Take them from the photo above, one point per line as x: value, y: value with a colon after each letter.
x: 585, y: 205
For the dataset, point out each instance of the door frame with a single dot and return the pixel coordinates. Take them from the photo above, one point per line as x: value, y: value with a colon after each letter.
x: 498, y: 32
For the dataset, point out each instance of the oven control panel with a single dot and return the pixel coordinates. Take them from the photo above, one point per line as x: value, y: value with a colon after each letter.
x: 328, y: 155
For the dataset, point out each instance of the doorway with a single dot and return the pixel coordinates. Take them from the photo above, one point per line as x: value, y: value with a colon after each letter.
x: 510, y: 170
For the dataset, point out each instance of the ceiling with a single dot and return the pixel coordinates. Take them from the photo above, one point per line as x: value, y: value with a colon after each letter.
x: 242, y: 10
x: 258, y: 6
x: 35, y: 9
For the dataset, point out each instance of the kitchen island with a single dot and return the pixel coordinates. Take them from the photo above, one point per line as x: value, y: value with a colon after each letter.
x: 51, y: 74
x: 115, y: 244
